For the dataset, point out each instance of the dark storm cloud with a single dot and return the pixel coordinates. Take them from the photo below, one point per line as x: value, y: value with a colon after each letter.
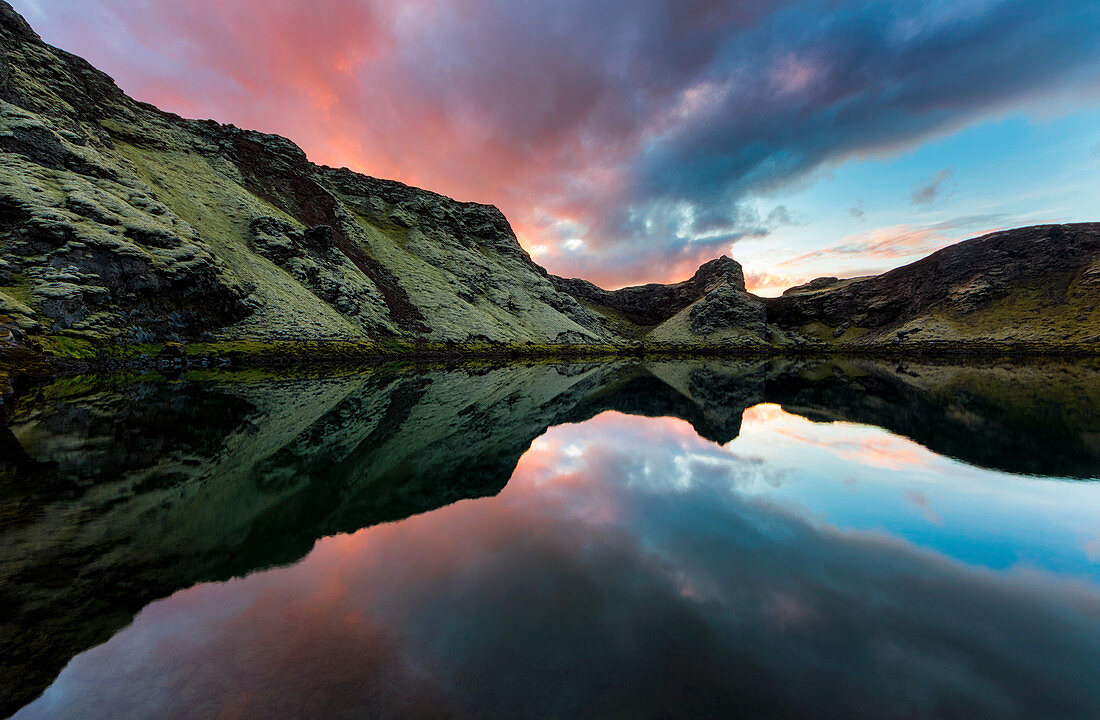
x: 694, y: 110
x: 825, y: 81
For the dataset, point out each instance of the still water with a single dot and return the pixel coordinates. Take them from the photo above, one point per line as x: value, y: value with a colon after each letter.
x: 642, y: 540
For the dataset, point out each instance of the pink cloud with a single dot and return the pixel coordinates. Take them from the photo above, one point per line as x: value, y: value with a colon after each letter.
x: 868, y: 253
x: 608, y: 121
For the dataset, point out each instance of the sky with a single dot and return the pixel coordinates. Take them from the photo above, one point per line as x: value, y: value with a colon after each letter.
x: 628, y: 141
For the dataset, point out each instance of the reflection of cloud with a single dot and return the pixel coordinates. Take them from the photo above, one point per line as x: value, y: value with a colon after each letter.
x: 1092, y: 548
x: 687, y: 600
x: 919, y: 500
x: 845, y: 441
x: 766, y: 413
x: 889, y: 452
x: 788, y: 610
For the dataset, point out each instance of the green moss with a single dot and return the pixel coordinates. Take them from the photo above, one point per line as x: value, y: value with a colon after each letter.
x: 281, y: 348
x: 818, y: 331
x: 61, y: 346
x: 19, y: 290
x: 394, y: 233
x: 123, y: 351
x: 618, y: 322
x: 851, y: 335
x: 394, y: 348
x: 1041, y: 313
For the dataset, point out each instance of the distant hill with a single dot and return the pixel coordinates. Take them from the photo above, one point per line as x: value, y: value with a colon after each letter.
x: 1035, y: 287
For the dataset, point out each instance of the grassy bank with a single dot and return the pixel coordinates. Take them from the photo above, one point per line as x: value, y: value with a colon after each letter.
x: 50, y: 354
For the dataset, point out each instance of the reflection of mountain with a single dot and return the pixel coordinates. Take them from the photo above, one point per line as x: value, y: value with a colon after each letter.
x: 1040, y: 419
x: 117, y: 494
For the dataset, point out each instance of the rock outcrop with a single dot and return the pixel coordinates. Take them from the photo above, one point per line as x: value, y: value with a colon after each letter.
x: 711, y: 307
x: 650, y: 305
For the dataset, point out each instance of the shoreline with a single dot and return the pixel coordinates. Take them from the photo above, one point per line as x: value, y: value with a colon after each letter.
x: 59, y: 358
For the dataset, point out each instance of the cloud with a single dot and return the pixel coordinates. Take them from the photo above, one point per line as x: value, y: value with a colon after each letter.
x: 871, y: 252
x: 897, y: 242
x: 919, y: 500
x: 935, y: 189
x: 885, y: 244
x: 650, y: 129
x: 631, y: 585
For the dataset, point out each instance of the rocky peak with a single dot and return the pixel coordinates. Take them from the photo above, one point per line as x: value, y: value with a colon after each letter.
x: 652, y: 304
x: 723, y: 269
x: 12, y: 23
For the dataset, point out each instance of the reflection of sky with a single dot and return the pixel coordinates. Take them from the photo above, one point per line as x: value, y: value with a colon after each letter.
x: 633, y: 569
x: 863, y: 478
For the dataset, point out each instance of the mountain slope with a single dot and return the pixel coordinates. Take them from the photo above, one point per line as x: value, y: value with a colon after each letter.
x: 1035, y: 287
x: 122, y: 222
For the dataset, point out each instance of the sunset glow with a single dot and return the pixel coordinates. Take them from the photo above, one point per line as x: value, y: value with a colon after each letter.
x: 629, y: 142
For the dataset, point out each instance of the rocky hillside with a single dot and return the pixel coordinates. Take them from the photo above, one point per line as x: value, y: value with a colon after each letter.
x: 123, y: 227
x: 119, y: 222
x: 1030, y: 288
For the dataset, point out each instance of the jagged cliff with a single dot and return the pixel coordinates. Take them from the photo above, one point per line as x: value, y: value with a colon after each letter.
x: 121, y: 224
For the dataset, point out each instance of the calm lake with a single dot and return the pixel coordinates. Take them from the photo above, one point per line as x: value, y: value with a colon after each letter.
x: 720, y: 539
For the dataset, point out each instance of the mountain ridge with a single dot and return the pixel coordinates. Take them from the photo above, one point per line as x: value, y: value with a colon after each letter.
x: 124, y: 228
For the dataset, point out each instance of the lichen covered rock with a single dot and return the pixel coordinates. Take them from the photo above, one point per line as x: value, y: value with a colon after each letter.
x: 725, y: 306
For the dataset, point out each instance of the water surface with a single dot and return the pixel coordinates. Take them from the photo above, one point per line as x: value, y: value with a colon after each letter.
x: 652, y: 540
